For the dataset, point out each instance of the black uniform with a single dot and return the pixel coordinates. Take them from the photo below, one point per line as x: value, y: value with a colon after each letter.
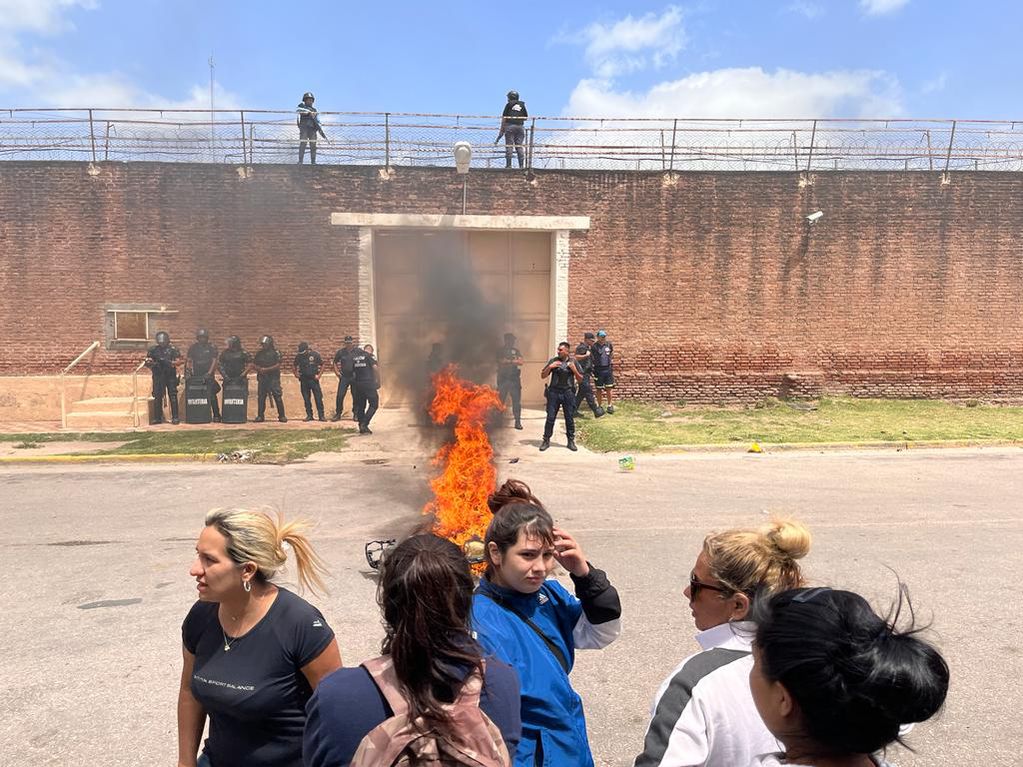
x: 232, y: 363
x: 308, y: 127
x: 309, y: 365
x: 201, y: 355
x: 560, y: 394
x: 160, y: 359
x: 585, y: 390
x: 509, y: 380
x: 513, y: 123
x: 366, y: 398
x: 343, y: 360
x: 269, y: 383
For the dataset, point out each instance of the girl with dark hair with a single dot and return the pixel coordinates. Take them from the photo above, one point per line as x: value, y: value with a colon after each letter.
x: 425, y: 595
x: 835, y: 682
x: 535, y: 625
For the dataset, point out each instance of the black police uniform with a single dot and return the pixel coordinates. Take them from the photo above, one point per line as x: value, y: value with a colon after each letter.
x: 309, y: 364
x: 367, y: 400
x: 603, y: 364
x: 308, y: 127
x: 232, y: 363
x: 165, y: 378
x: 560, y: 394
x: 344, y: 362
x: 514, y: 118
x: 585, y: 390
x: 201, y: 355
x: 269, y: 383
x: 509, y: 380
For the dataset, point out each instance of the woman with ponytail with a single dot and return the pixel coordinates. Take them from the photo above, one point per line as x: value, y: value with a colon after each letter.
x: 429, y: 656
x: 835, y: 682
x: 253, y: 651
x: 703, y: 714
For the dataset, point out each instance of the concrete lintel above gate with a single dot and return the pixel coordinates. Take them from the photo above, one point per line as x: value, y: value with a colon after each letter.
x: 441, y: 221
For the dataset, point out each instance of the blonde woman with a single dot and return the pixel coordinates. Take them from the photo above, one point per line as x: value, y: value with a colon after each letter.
x: 253, y: 651
x: 703, y: 715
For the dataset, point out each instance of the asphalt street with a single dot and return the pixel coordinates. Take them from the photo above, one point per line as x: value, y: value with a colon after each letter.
x: 97, y: 579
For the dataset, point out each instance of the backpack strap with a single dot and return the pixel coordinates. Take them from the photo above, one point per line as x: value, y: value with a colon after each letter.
x: 381, y: 669
x: 554, y: 649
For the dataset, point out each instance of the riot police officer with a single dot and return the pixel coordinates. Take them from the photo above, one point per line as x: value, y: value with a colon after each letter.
x: 164, y: 360
x: 308, y: 127
x: 560, y: 393
x: 367, y: 381
x: 509, y: 376
x: 202, y: 360
x: 307, y: 367
x: 234, y: 361
x: 345, y: 373
x: 268, y: 378
x: 584, y: 361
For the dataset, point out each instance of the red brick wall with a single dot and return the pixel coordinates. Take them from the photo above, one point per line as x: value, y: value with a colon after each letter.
x: 711, y: 285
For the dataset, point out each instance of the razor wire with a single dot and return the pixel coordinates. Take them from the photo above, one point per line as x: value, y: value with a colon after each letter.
x: 250, y: 137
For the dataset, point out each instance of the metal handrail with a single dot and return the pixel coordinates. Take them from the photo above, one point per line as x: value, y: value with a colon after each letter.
x: 63, y: 391
x: 135, y: 394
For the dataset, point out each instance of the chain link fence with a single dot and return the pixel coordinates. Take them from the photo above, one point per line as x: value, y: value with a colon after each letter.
x: 406, y: 139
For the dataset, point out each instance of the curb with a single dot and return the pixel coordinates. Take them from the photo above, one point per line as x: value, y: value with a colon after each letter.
x: 797, y: 446
x: 100, y: 458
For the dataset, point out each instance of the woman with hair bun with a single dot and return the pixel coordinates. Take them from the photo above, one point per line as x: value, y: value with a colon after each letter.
x: 703, y: 714
x: 535, y: 625
x: 253, y: 651
x: 835, y: 682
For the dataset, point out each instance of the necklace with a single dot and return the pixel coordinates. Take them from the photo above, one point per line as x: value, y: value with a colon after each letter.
x: 228, y: 642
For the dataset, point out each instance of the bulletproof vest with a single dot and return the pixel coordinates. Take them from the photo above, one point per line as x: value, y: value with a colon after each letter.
x: 506, y: 369
x: 267, y: 357
x: 362, y: 363
x: 309, y: 363
x: 233, y: 363
x: 561, y: 377
x: 515, y: 113
x: 163, y: 358
x: 202, y: 356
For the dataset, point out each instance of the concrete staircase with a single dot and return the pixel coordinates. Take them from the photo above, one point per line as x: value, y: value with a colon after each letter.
x: 106, y: 413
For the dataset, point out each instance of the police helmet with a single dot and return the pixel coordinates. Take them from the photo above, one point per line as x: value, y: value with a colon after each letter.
x: 234, y: 342
x: 513, y: 95
x: 302, y: 347
x: 202, y: 334
x: 163, y: 337
x: 308, y: 95
x: 266, y: 342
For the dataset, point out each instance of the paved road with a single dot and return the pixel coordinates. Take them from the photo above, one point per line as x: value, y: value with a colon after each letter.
x: 85, y: 684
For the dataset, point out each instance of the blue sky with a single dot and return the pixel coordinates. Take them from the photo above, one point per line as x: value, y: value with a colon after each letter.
x: 709, y: 58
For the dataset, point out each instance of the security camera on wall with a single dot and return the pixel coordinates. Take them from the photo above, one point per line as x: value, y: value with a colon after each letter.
x: 813, y: 218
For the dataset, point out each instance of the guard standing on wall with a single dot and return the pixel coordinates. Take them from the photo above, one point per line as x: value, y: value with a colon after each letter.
x: 308, y: 364
x: 345, y: 378
x: 560, y: 393
x: 308, y: 127
x: 509, y: 376
x: 367, y: 381
x: 202, y: 361
x: 584, y: 361
x: 268, y: 378
x: 164, y: 360
x: 603, y: 369
x: 513, y: 129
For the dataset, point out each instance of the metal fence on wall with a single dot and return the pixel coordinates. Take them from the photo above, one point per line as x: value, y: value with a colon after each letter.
x: 407, y: 139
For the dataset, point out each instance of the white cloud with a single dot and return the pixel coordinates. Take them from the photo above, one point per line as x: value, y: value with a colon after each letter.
x: 631, y: 44
x: 45, y: 16
x: 881, y: 7
x: 805, y: 8
x: 745, y: 93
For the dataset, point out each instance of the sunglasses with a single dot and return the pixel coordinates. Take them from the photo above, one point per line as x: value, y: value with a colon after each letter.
x: 695, y: 586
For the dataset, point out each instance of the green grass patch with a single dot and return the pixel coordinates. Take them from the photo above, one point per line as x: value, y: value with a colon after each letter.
x: 268, y: 446
x: 640, y: 426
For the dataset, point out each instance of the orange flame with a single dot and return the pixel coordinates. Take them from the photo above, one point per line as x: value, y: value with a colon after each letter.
x: 469, y: 475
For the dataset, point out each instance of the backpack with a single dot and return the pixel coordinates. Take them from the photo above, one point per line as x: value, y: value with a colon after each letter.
x: 400, y: 742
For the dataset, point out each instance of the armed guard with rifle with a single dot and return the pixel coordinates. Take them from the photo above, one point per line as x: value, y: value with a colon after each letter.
x: 308, y: 128
x: 163, y: 360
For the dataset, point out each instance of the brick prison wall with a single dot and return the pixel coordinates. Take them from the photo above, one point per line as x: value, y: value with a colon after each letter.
x: 711, y: 285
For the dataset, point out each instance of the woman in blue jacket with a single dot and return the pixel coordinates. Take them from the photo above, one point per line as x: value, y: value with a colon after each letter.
x: 536, y: 626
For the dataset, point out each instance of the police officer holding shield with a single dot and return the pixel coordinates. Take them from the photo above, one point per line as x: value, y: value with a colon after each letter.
x: 560, y: 393
x: 345, y: 373
x: 268, y: 378
x: 201, y: 362
x: 164, y: 360
x: 307, y: 367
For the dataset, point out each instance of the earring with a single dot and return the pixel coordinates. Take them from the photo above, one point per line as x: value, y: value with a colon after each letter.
x: 247, y: 585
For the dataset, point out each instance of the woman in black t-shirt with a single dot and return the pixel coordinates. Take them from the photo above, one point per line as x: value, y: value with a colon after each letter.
x: 253, y: 651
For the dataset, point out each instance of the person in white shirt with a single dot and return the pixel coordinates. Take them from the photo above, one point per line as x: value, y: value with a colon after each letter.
x: 703, y: 714
x: 835, y: 682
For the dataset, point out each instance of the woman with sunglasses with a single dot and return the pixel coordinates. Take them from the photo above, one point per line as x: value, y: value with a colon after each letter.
x: 703, y: 715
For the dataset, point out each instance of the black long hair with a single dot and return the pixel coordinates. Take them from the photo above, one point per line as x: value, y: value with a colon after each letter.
x: 425, y: 594
x: 854, y: 674
x: 515, y: 509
